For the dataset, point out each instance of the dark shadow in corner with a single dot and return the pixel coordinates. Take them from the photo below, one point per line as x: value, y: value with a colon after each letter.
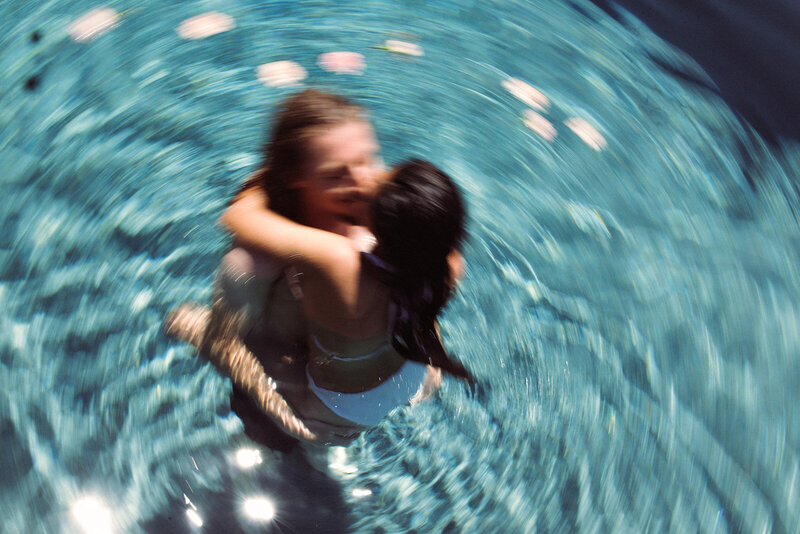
x: 751, y: 50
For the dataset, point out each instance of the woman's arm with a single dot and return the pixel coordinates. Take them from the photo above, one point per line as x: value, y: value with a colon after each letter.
x: 286, y: 240
x: 432, y: 383
x: 218, y: 341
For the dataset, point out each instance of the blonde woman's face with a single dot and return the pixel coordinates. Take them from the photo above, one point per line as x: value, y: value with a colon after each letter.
x: 343, y: 171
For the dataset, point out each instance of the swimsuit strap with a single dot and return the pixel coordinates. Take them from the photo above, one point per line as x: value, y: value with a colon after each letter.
x: 378, y: 351
x: 388, y: 273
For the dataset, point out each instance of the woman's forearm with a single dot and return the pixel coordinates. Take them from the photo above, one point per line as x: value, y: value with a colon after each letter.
x: 281, y: 238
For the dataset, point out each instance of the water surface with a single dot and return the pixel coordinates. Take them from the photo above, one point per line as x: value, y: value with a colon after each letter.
x: 630, y: 306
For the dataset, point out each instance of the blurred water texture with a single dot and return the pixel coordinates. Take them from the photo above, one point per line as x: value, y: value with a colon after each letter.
x: 631, y: 312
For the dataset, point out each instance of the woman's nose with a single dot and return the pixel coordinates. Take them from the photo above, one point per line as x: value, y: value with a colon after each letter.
x: 363, y: 176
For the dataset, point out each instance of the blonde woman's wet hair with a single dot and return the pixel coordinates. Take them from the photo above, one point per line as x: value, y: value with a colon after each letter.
x: 299, y: 119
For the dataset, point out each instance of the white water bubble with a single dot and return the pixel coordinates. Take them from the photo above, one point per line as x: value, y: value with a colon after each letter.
x: 527, y: 93
x: 280, y: 74
x: 141, y: 300
x: 247, y: 458
x: 587, y: 133
x: 93, y: 24
x: 205, y: 25
x: 259, y: 509
x: 403, y: 47
x: 541, y: 126
x: 342, y: 62
x: 194, y: 517
x: 19, y: 335
x: 93, y: 515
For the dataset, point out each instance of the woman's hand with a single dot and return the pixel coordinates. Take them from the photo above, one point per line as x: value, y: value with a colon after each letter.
x: 456, y: 262
x: 432, y: 383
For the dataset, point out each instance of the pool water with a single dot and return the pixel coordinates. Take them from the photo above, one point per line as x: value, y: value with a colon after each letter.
x: 630, y: 307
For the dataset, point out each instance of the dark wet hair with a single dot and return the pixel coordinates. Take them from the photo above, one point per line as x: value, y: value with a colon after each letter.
x: 298, y: 119
x: 418, y: 219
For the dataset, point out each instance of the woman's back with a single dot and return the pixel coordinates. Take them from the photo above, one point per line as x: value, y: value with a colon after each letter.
x: 349, y: 331
x: 355, y: 305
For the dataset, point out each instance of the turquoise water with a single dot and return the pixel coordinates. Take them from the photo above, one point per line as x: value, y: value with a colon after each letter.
x: 631, y: 312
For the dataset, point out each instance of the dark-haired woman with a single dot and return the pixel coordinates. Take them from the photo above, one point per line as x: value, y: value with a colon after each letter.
x: 371, y: 317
